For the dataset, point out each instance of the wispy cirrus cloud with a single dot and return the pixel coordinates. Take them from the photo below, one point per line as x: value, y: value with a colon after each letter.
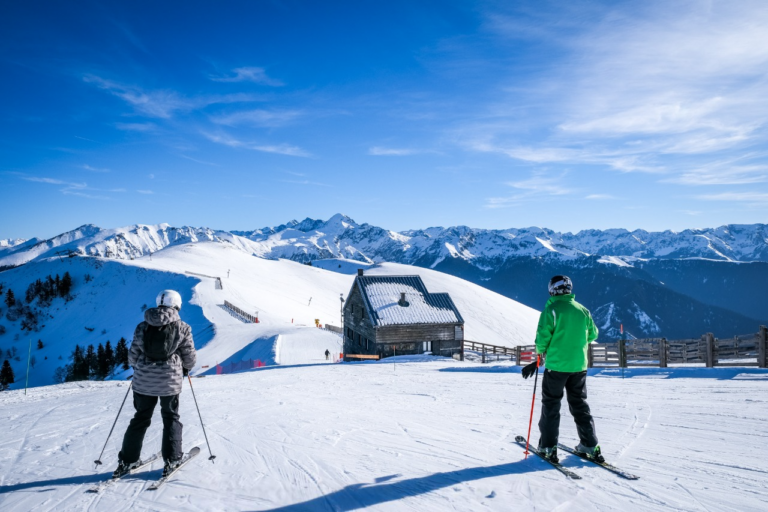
x: 382, y: 151
x: 95, y: 169
x: 538, y: 187
x: 649, y: 87
x: 280, y: 149
x: 145, y: 192
x: 248, y: 74
x: 258, y: 117
x: 136, y: 127
x: 747, y: 197
x: 162, y: 103
x: 70, y: 188
x: 306, y: 182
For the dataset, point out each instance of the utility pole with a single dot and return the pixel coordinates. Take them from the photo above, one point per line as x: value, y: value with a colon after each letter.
x: 341, y: 313
x: 227, y: 273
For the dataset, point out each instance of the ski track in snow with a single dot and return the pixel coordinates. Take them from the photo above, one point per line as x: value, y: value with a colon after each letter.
x: 421, y: 434
x: 424, y: 436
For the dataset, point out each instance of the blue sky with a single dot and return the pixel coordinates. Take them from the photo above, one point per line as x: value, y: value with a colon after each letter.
x: 238, y: 115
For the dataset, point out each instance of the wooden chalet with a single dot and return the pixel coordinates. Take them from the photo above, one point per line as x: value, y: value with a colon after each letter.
x: 396, y: 315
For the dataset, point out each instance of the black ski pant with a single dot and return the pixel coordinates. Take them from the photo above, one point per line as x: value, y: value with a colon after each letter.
x: 575, y: 386
x: 134, y: 435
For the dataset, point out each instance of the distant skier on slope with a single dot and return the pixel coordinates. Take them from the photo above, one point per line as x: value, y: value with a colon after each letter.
x: 162, y: 353
x: 327, y: 354
x: 564, y: 332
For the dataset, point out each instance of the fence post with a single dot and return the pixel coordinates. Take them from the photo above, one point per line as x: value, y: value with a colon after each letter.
x: 518, y: 351
x: 762, y: 360
x: 590, y: 363
x: 483, y: 353
x: 710, y: 349
x: 663, y: 353
x: 623, y: 353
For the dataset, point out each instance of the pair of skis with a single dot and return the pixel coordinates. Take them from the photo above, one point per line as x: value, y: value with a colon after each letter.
x: 157, y: 483
x: 567, y: 472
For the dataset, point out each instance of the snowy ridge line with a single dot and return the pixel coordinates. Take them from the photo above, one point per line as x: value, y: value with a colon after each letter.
x: 342, y: 237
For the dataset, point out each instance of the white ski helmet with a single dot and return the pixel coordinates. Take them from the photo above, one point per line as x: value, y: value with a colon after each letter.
x: 169, y: 298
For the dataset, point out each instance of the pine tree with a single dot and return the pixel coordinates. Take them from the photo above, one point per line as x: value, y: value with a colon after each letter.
x: 92, y: 361
x: 79, y: 365
x: 6, y: 374
x: 109, y: 358
x: 101, y: 362
x: 10, y: 298
x: 65, y: 286
x: 39, y: 344
x: 121, y: 353
x: 57, y: 283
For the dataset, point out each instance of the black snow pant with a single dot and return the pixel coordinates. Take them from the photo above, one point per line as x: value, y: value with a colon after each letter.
x: 134, y: 435
x: 575, y: 385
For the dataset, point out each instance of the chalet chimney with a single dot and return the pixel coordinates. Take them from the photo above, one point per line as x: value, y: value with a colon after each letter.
x: 402, y: 300
x: 359, y: 272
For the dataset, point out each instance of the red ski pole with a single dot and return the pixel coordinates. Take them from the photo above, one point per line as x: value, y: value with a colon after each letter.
x: 533, y: 402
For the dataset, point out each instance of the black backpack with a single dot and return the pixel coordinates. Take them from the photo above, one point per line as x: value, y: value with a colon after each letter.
x: 158, y: 341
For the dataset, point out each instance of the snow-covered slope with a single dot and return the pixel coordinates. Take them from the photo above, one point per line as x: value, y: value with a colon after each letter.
x: 287, y: 296
x: 420, y: 436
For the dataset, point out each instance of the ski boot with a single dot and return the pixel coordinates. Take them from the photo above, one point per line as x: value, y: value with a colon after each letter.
x: 591, y: 453
x: 549, y: 453
x: 123, y: 468
x: 170, y: 466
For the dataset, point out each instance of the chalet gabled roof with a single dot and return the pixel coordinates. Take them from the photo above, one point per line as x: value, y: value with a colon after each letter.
x: 381, y: 295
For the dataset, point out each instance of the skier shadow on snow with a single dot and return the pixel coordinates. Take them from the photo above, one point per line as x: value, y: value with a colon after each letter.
x: 46, y: 485
x: 359, y: 496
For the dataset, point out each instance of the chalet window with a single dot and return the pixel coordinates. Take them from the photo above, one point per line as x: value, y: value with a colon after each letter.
x: 359, y: 340
x: 366, y: 343
x: 350, y: 333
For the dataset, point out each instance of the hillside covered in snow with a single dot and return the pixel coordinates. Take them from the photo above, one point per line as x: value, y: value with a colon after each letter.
x: 672, y: 284
x: 109, y: 296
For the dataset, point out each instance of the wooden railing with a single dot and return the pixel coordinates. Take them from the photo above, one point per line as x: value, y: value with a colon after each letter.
x: 245, y: 317
x: 746, y: 350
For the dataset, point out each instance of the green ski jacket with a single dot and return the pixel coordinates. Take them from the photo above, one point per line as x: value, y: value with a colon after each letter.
x: 565, y: 330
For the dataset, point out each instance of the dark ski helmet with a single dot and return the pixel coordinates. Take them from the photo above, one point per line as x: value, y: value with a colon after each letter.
x: 560, y: 285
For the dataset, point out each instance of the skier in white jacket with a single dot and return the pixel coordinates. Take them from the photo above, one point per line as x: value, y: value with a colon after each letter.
x: 162, y: 353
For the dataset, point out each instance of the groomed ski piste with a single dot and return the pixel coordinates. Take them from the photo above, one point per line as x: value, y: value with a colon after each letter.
x: 409, y: 433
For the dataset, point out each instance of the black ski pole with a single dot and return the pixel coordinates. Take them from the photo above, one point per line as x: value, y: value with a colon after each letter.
x: 98, y: 461
x: 201, y: 420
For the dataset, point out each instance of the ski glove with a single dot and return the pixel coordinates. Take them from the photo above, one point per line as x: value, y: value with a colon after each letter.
x: 529, y: 370
x: 185, y: 372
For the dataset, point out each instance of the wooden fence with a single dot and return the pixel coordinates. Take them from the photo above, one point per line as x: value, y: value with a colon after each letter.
x: 245, y: 317
x: 333, y: 328
x: 218, y: 285
x: 746, y: 350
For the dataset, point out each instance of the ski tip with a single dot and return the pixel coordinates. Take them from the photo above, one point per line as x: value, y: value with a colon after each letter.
x: 194, y: 451
x: 520, y: 439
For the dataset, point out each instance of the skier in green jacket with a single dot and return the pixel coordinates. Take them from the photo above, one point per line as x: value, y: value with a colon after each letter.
x: 565, y: 331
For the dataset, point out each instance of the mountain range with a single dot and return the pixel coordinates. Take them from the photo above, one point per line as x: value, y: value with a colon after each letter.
x: 673, y: 284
